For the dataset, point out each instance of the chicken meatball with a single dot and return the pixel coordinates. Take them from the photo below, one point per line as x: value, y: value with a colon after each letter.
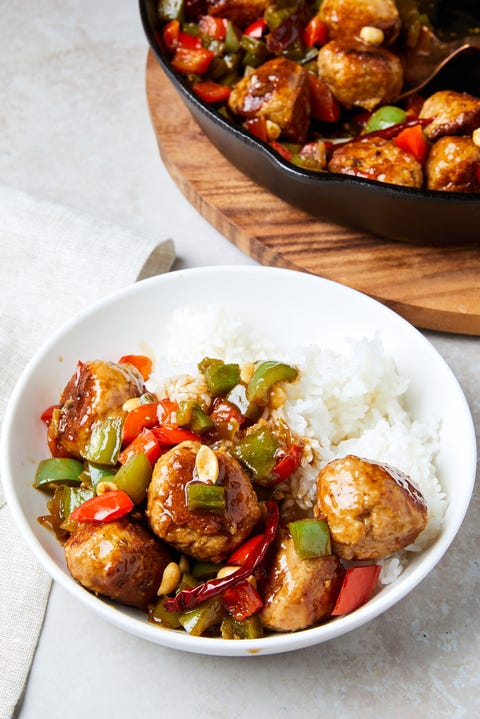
x: 453, y: 165
x: 372, y: 509
x: 377, y: 159
x: 452, y: 113
x: 204, y: 535
x: 360, y: 75
x: 279, y: 91
x: 118, y: 559
x: 240, y: 12
x: 346, y: 18
x: 96, y: 391
x: 299, y: 592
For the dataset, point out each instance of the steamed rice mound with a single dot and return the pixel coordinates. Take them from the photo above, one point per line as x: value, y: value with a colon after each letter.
x: 345, y: 402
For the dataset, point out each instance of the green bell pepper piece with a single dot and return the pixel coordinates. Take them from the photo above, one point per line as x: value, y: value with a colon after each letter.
x: 99, y: 473
x: 265, y: 376
x: 205, y: 570
x: 170, y: 10
x: 58, y: 470
x: 256, y: 451
x: 207, y: 615
x: 73, y: 497
x: 311, y: 537
x: 232, y: 37
x: 384, y: 117
x: 220, y: 377
x: 203, y: 497
x: 105, y: 441
x: 134, y: 477
x: 159, y: 615
x: 190, y: 414
x: 250, y: 628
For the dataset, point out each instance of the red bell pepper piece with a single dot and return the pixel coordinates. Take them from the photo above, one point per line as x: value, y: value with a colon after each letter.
x: 315, y: 33
x: 104, y: 507
x: 47, y: 414
x: 358, y: 585
x: 210, y: 91
x: 166, y: 410
x: 283, y: 151
x: 171, y: 33
x: 225, y: 411
x: 288, y: 463
x: 190, y: 598
x: 145, y: 443
x: 192, y: 60
x: 413, y: 140
x: 215, y: 27
x: 189, y: 41
x: 241, y: 555
x: 242, y: 600
x: 145, y: 415
x: 256, y: 29
x: 174, y: 435
x: 323, y: 105
x: 141, y: 362
x: 257, y: 127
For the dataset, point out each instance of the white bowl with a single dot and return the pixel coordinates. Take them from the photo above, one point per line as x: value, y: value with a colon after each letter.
x: 291, y: 308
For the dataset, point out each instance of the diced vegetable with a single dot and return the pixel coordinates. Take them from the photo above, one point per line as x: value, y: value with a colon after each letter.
x: 174, y: 435
x: 190, y: 414
x: 232, y: 37
x: 265, y: 376
x: 134, y: 477
x: 288, y: 463
x: 192, y: 60
x: 187, y: 599
x: 256, y: 28
x: 159, y: 615
x: 58, y: 470
x: 240, y: 556
x: 316, y: 32
x: 220, y: 377
x: 197, y: 621
x: 257, y: 126
x: 104, y: 507
x: 145, y: 443
x: 250, y: 628
x: 105, y: 441
x: 99, y: 473
x: 145, y: 415
x: 141, y: 362
x: 73, y: 497
x: 215, y: 27
x: 205, y: 570
x: 413, y: 140
x: 357, y: 588
x: 242, y: 600
x: 385, y: 117
x: 47, y: 414
x: 203, y: 497
x: 171, y: 32
x: 210, y: 91
x: 256, y: 451
x: 170, y: 9
x: 311, y: 537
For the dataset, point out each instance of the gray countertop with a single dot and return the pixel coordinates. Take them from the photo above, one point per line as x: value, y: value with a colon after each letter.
x: 76, y: 131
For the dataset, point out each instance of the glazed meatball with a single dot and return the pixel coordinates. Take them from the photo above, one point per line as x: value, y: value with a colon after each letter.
x: 346, y: 18
x: 372, y: 509
x: 453, y: 165
x: 208, y: 536
x: 299, y: 592
x: 118, y: 559
x: 240, y: 12
x: 279, y: 91
x: 360, y: 75
x: 97, y: 390
x: 377, y: 159
x: 452, y: 113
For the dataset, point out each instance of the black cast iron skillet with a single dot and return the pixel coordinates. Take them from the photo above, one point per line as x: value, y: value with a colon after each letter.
x: 389, y: 211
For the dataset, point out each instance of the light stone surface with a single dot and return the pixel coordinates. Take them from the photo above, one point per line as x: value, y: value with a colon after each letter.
x: 75, y: 130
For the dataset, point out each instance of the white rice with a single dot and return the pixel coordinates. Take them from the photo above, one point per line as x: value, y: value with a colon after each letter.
x: 346, y: 402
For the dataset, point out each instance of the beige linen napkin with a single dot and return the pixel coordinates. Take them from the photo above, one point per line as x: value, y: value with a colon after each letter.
x: 54, y: 261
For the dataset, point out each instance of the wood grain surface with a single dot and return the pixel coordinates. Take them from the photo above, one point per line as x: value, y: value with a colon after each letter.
x: 432, y: 287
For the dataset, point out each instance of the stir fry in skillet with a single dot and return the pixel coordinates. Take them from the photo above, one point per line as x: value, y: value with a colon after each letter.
x: 174, y: 505
x: 323, y: 83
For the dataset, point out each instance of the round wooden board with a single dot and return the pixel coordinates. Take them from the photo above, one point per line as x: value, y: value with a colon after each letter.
x: 432, y: 287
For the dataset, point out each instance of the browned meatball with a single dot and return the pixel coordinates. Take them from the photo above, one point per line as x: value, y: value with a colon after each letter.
x: 241, y: 12
x: 372, y: 509
x: 360, y: 75
x: 453, y: 165
x: 96, y: 391
x: 278, y: 91
x: 207, y: 536
x: 377, y: 159
x: 299, y: 592
x: 118, y: 559
x: 452, y: 113
x: 345, y: 18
